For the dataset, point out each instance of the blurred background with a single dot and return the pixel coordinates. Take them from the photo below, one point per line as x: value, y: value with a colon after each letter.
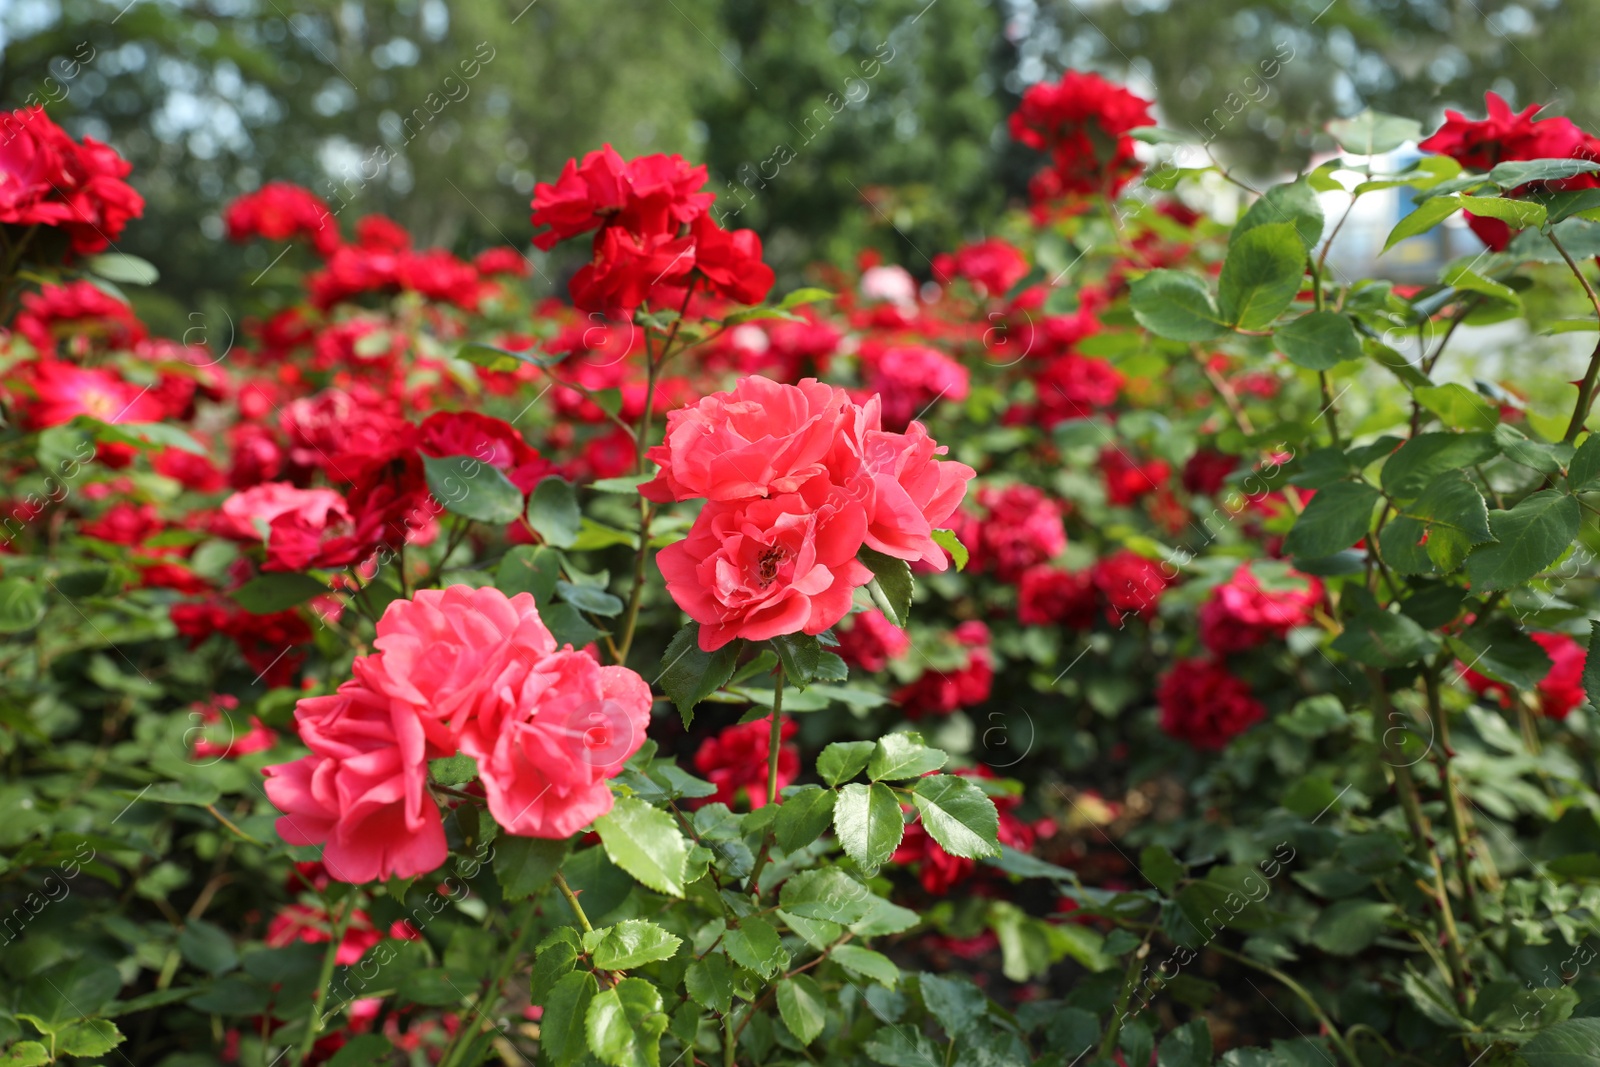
x: 828, y: 125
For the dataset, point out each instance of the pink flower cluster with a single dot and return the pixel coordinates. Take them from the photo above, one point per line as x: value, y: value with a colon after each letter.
x: 457, y: 671
x: 797, y: 478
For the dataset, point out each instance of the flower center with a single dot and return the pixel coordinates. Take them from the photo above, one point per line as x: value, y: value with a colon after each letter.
x: 767, y: 566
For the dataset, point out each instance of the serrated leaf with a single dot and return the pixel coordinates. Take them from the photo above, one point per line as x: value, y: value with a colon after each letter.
x: 21, y: 605
x: 473, y: 489
x: 1458, y: 406
x: 1318, y: 340
x: 646, y: 842
x: 897, y: 757
x: 805, y: 815
x: 800, y: 655
x: 1176, y: 306
x: 624, y: 1024
x: 891, y: 586
x: 868, y: 823
x: 843, y: 760
x: 525, y: 865
x: 1527, y: 539
x: 958, y: 815
x: 710, y: 982
x: 690, y: 674
x: 1583, y: 470
x: 1572, y: 1043
x: 1427, y: 215
x: 1295, y: 203
x: 1261, y: 275
x: 802, y: 1007
x: 868, y: 964
x: 633, y: 943
x: 1426, y: 456
x: 947, y: 540
x: 1451, y: 500
x: 562, y: 1027
x: 755, y: 945
x: 1336, y: 518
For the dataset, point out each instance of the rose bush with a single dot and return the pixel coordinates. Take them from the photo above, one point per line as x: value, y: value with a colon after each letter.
x: 1130, y: 642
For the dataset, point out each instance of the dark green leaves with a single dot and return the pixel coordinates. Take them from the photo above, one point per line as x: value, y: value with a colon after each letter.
x: 1428, y: 455
x: 958, y: 816
x: 1261, y: 275
x: 1349, y: 926
x: 755, y: 945
x: 22, y: 606
x: 1336, y: 518
x: 524, y: 865
x: 1295, y: 203
x: 802, y: 1006
x: 1573, y: 1043
x: 1176, y: 306
x: 1591, y: 666
x: 800, y: 655
x: 689, y: 674
x: 868, y: 823
x: 896, y: 757
x: 553, y: 512
x: 473, y: 489
x: 1528, y: 538
x: 1456, y: 517
x: 891, y: 585
x: 1583, y: 471
x: 1318, y: 340
x: 806, y: 813
x: 561, y: 1030
x: 272, y: 593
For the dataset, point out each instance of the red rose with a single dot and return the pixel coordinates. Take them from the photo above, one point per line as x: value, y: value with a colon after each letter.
x: 871, y: 640
x: 1240, y: 615
x: 486, y: 439
x: 282, y: 211
x: 1047, y: 596
x: 1203, y: 704
x: 992, y: 265
x: 1081, y: 122
x: 735, y: 761
x: 1129, y: 584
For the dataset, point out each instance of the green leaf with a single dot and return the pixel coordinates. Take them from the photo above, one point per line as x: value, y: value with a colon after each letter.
x: 627, y: 485
x: 896, y: 1046
x: 1541, y: 456
x: 1295, y: 203
x: 589, y: 598
x: 567, y: 626
x: 92, y: 1037
x: 804, y: 296
x: 806, y: 813
x: 562, y: 1027
x: 947, y: 540
x: 208, y: 947
x: 959, y: 816
x: 473, y: 489
x: 891, y: 585
x: 1426, y: 456
x: 453, y: 770
x: 1381, y: 638
x: 1318, y: 340
x: 754, y: 945
x: 1473, y: 282
x: 633, y: 943
x: 827, y: 893
x: 1372, y: 133
x: 710, y: 983
x: 1573, y: 1043
x: 624, y: 1025
x: 843, y: 760
x: 868, y: 964
x: 645, y: 842
x: 1451, y: 500
x: 1521, y: 172
x: 803, y: 1007
x: 1458, y: 406
x: 553, y: 512
x: 1261, y: 275
x: 956, y: 1003
x: 25, y: 1054
x: 1427, y: 215
x: 272, y: 593
x: 1518, y: 214
x: 1394, y: 362
x: 800, y: 655
x: 897, y: 757
x: 495, y: 359
x: 21, y: 605
x: 1528, y: 538
x: 868, y: 823
x: 1336, y: 518
x: 525, y: 865
x: 1500, y: 649
x: 555, y: 959
x: 1187, y: 1046
x: 689, y: 674
x: 1348, y: 926
x: 1583, y: 471
x: 122, y: 268
x: 1161, y: 867
x: 1176, y: 306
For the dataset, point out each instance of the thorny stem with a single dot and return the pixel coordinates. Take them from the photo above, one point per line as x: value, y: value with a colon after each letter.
x: 1580, y: 410
x: 1422, y: 840
x: 1458, y: 825
x: 572, y: 902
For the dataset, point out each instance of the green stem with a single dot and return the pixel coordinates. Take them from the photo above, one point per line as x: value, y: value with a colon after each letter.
x: 1130, y: 978
x: 1580, y: 410
x: 1300, y: 991
x: 1458, y: 823
x: 572, y: 902
x: 314, y: 1020
x: 775, y: 741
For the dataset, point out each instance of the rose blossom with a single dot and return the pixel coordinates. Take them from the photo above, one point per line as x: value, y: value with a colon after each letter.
x: 760, y: 438
x: 1242, y: 615
x: 761, y: 568
x: 735, y: 761
x: 1203, y: 704
x: 906, y: 491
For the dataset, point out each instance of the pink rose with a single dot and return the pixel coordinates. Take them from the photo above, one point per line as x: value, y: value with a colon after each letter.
x: 362, y: 791
x: 762, y: 568
x: 561, y: 727
x: 906, y: 492
x: 760, y: 439
x: 446, y: 653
